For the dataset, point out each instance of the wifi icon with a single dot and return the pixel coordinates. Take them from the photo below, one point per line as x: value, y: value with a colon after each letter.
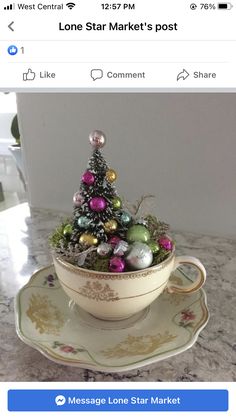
x: 70, y: 5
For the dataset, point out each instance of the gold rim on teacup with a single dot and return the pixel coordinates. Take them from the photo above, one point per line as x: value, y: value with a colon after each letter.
x: 104, y: 275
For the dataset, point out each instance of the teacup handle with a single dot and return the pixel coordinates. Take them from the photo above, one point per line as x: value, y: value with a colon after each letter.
x: 198, y: 283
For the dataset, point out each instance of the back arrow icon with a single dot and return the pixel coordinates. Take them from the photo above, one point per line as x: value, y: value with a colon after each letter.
x: 10, y: 26
x: 183, y: 75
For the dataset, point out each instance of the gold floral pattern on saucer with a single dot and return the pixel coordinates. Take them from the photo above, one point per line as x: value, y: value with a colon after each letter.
x: 138, y: 345
x: 48, y: 321
x: 46, y: 316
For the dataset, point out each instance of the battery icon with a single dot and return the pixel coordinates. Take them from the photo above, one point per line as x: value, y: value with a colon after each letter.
x: 225, y: 6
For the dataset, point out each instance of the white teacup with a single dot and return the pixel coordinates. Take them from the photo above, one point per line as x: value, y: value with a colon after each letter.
x: 112, y: 296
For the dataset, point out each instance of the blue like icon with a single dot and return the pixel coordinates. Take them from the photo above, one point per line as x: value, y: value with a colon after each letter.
x: 12, y: 50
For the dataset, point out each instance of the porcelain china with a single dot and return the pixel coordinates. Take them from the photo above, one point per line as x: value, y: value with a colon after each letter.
x: 50, y: 322
x: 116, y: 296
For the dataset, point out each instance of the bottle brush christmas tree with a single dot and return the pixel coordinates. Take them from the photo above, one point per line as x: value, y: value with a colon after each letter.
x: 102, y: 235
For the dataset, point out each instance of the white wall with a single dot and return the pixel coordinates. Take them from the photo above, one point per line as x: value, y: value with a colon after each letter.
x: 181, y: 147
x: 5, y: 126
x: 7, y: 112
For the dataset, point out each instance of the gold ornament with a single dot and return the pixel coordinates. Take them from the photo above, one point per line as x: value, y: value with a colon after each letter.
x: 110, y: 226
x: 111, y: 175
x: 116, y: 203
x: 88, y: 240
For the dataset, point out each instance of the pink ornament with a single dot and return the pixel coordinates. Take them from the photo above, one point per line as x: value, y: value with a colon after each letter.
x: 165, y: 243
x: 78, y: 199
x: 88, y: 178
x: 114, y: 240
x: 98, y: 204
x: 116, y: 264
x: 97, y: 139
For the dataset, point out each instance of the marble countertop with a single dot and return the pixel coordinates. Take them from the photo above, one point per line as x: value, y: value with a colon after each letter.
x: 24, y: 249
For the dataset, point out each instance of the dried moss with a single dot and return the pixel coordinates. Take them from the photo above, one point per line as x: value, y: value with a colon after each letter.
x: 58, y: 239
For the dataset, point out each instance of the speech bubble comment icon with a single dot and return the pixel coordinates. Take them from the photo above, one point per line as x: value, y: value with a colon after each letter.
x: 96, y: 74
x: 60, y: 400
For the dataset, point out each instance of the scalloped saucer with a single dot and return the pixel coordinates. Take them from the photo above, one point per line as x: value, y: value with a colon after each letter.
x: 48, y: 321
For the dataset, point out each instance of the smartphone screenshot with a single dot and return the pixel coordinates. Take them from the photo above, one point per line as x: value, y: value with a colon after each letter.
x: 117, y: 208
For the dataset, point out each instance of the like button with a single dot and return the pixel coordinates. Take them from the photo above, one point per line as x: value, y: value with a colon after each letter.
x: 29, y: 76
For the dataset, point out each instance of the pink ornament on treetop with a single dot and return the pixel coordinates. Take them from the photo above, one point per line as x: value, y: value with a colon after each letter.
x: 97, y: 139
x: 78, y: 199
x: 165, y: 243
x: 116, y: 264
x: 98, y: 204
x: 88, y: 178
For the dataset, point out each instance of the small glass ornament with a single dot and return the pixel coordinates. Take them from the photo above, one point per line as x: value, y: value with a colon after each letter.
x: 154, y: 246
x: 140, y: 256
x: 114, y: 240
x: 116, y: 264
x: 67, y: 230
x: 116, y: 203
x: 98, y: 204
x: 111, y: 175
x: 125, y: 218
x: 104, y: 249
x: 78, y: 199
x: 88, y: 178
x: 88, y: 240
x: 165, y: 243
x: 141, y: 221
x: 97, y: 139
x: 83, y: 221
x: 110, y: 226
x: 138, y: 233
x: 121, y: 248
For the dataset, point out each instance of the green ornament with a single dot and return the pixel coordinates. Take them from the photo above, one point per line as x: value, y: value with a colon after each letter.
x: 138, y: 233
x: 116, y: 203
x: 67, y: 230
x: 125, y: 217
x: 154, y: 246
x: 83, y: 222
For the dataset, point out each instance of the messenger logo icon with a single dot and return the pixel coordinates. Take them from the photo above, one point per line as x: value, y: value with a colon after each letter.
x: 60, y: 400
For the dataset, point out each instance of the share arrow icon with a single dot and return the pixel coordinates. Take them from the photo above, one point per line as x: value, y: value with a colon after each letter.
x: 10, y: 26
x: 183, y: 75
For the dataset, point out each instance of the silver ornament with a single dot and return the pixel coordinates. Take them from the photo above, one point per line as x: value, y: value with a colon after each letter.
x: 97, y: 139
x: 121, y: 248
x: 140, y: 256
x: 141, y: 221
x: 104, y: 249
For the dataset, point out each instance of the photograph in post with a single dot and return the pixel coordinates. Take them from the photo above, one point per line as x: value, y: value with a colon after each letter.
x: 118, y: 237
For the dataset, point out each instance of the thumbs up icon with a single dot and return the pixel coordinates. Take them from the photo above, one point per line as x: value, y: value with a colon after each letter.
x: 30, y: 75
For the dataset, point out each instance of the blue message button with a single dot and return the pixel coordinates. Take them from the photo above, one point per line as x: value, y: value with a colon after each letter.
x: 117, y: 400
